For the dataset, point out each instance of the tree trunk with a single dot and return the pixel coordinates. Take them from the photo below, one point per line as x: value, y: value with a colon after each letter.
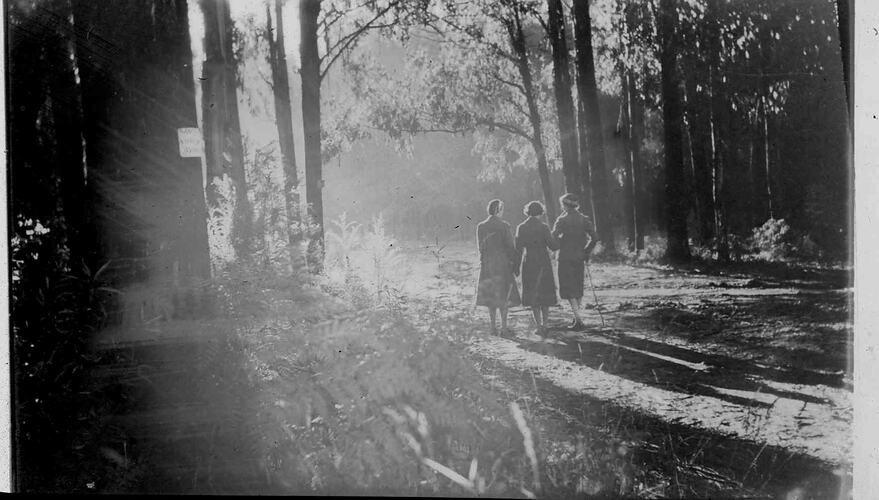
x: 517, y: 41
x: 590, y: 130
x: 766, y: 164
x: 678, y: 250
x: 310, y: 73
x: 718, y: 117
x: 224, y: 154
x: 625, y: 128
x: 138, y: 89
x: 843, y: 14
x: 564, y: 102
x: 631, y: 180
x: 284, y: 121
x: 182, y: 99
x: 70, y: 150
x: 699, y: 134
x: 639, y: 184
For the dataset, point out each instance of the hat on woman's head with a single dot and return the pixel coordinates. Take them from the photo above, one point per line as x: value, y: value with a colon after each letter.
x: 569, y: 200
x: 534, y: 208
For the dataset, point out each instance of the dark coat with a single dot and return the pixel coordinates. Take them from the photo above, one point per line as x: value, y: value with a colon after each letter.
x: 576, y: 238
x: 497, y: 262
x: 534, y: 240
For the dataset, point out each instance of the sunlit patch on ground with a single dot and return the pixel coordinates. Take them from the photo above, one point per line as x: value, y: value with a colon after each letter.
x: 742, y: 317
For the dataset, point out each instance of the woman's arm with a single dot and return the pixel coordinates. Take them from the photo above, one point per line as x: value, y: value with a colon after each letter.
x: 480, y: 241
x: 520, y: 247
x: 549, y: 240
x: 590, y: 233
x: 557, y: 230
x: 512, y: 252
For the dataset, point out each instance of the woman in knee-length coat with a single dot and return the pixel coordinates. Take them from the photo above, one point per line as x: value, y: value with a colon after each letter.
x: 498, y: 262
x: 535, y: 240
x: 573, y: 230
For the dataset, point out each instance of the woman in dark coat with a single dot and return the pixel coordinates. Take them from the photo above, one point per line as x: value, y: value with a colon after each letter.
x: 538, y: 286
x: 498, y: 261
x: 576, y: 240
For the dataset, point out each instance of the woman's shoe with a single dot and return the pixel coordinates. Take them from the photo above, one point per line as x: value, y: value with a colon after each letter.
x: 577, y: 325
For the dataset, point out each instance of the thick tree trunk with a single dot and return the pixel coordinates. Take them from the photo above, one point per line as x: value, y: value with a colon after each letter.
x: 517, y: 40
x: 590, y: 130
x: 70, y: 150
x: 137, y: 87
x: 564, y: 102
x: 310, y: 73
x: 284, y: 121
x: 224, y: 153
x: 182, y: 99
x: 676, y: 205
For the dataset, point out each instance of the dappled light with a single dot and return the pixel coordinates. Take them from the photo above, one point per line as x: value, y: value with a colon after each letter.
x: 517, y: 248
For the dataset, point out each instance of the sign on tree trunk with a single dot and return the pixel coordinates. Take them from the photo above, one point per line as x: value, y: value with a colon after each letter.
x: 191, y: 142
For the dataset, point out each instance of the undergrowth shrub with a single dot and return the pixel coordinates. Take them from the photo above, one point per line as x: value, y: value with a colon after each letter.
x: 363, y: 404
x: 776, y: 240
x: 54, y: 309
x: 364, y: 265
x: 351, y: 397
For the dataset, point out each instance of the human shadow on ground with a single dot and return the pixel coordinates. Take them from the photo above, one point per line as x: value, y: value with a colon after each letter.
x: 787, y: 330
x: 611, y: 355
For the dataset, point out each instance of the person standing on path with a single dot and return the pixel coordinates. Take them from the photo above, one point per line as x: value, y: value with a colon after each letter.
x: 576, y: 241
x: 534, y: 241
x: 498, y: 263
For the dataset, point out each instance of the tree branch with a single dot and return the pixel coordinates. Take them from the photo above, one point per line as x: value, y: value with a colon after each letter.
x: 488, y: 122
x: 511, y: 83
x: 350, y: 38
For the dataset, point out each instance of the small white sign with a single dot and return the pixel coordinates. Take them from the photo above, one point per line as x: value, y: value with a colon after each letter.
x: 191, y: 142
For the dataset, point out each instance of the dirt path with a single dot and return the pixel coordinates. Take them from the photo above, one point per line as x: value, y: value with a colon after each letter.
x: 757, y: 359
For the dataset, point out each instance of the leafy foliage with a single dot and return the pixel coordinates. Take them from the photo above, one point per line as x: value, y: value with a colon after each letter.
x: 776, y: 240
x: 365, y: 389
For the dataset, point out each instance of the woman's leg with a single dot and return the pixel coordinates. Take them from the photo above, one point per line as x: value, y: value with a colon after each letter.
x: 535, y: 315
x: 504, y: 311
x: 492, y: 312
x: 575, y: 309
x: 544, y: 311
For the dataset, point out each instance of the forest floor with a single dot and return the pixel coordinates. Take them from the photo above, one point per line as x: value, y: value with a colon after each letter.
x: 733, y: 375
x: 696, y: 382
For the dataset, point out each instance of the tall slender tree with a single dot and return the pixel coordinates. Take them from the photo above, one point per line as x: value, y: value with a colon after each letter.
x: 224, y: 153
x: 520, y: 50
x: 561, y: 72
x: 309, y: 10
x: 590, y: 131
x: 676, y: 205
x: 633, y: 195
x: 284, y: 121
